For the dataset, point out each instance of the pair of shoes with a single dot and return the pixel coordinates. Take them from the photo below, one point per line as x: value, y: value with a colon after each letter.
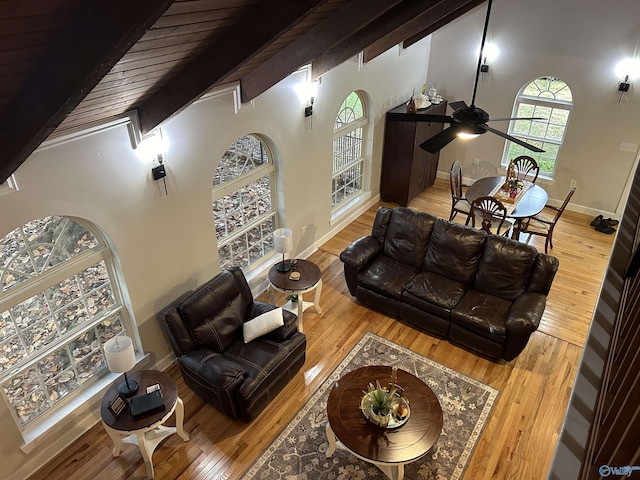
x: 605, y: 222
x: 597, y: 221
x: 605, y: 229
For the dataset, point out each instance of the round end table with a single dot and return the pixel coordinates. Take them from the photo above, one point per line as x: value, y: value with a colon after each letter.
x: 146, y: 431
x: 309, y: 280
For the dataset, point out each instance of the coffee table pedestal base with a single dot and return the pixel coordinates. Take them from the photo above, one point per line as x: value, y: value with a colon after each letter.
x: 394, y: 471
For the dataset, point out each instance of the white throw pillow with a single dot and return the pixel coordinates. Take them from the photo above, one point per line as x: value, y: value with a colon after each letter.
x: 262, y: 324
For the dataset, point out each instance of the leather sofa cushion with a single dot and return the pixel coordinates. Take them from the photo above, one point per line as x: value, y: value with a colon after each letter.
x: 454, y: 251
x: 212, y: 369
x: 408, y: 236
x: 482, y: 313
x: 436, y: 289
x: 264, y: 361
x: 215, y: 313
x: 505, y: 267
x: 387, y: 276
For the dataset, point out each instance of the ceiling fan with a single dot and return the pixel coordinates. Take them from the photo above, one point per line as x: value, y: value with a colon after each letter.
x: 469, y: 119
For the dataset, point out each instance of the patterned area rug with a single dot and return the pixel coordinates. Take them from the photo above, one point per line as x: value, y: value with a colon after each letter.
x: 299, y: 452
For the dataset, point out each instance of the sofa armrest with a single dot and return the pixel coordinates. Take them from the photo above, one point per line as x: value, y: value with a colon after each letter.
x: 360, y: 252
x: 281, y: 333
x: 213, y: 369
x: 526, y: 312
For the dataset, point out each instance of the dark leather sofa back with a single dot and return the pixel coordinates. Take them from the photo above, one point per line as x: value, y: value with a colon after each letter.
x: 454, y: 251
x: 408, y: 235
x: 505, y: 268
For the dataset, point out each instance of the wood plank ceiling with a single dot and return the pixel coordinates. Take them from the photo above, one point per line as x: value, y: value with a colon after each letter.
x: 66, y: 64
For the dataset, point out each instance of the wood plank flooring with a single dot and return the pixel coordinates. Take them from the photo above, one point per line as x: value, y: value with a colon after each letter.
x: 520, y: 437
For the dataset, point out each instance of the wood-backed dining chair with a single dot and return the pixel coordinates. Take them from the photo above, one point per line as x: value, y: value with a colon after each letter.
x: 459, y: 203
x: 542, y: 225
x: 490, y: 215
x: 526, y: 165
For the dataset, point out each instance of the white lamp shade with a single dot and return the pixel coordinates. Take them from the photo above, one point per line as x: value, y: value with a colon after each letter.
x: 121, y: 356
x: 283, y: 240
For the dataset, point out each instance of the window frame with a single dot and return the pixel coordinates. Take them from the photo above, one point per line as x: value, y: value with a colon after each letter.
x: 39, y: 284
x: 231, y: 186
x: 538, y: 101
x: 359, y: 123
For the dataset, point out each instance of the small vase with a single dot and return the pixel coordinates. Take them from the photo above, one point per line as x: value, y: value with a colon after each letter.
x: 380, y: 420
x: 513, y: 193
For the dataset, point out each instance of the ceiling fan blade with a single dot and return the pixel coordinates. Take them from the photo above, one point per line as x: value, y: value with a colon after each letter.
x: 515, y: 118
x: 440, y: 140
x: 425, y: 117
x: 458, y: 105
x: 513, y: 139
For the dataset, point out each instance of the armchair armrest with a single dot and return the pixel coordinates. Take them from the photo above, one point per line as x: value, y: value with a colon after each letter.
x: 360, y: 252
x: 281, y: 333
x: 526, y: 312
x: 212, y: 369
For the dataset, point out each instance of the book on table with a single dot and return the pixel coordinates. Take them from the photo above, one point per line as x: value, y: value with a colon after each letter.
x: 146, y: 404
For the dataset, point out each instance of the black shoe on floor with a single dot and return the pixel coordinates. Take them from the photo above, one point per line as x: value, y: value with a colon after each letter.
x: 605, y: 229
x: 597, y: 221
x: 610, y: 222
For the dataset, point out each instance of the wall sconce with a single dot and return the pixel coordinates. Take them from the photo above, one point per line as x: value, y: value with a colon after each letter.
x: 629, y: 68
x: 152, y: 148
x: 283, y: 243
x: 489, y: 54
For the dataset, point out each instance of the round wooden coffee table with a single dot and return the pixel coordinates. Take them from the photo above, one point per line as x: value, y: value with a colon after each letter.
x: 388, y: 449
x: 147, y: 431
x: 309, y: 280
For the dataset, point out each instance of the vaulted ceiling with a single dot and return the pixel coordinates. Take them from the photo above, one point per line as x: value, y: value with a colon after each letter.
x: 68, y: 63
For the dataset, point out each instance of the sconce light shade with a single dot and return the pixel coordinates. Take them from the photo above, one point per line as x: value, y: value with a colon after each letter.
x: 283, y: 243
x: 121, y: 358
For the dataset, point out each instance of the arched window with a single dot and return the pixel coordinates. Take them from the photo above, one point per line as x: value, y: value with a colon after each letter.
x: 243, y: 206
x: 348, y: 150
x: 550, y: 99
x: 60, y: 301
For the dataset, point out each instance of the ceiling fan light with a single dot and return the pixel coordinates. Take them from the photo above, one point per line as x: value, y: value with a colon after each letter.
x: 467, y: 135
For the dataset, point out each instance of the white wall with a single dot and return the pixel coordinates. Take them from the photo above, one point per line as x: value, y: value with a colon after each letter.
x: 166, y: 243
x: 579, y: 42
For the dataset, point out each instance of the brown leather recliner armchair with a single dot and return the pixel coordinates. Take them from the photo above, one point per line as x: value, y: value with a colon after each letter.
x: 205, y: 329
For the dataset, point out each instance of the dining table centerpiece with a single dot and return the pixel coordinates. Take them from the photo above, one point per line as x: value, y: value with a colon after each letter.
x: 384, y: 406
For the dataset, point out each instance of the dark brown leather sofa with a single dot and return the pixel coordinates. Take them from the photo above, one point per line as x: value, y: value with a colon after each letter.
x: 205, y: 330
x: 483, y: 292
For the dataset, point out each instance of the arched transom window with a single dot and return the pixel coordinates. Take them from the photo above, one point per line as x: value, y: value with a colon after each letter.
x: 243, y: 207
x: 550, y: 99
x: 348, y: 150
x: 59, y: 303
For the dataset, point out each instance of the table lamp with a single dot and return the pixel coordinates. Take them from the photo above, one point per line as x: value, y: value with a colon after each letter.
x: 121, y: 358
x: 283, y: 240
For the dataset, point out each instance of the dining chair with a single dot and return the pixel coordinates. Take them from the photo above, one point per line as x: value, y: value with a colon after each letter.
x: 526, y: 165
x: 459, y: 203
x: 490, y: 215
x: 542, y: 225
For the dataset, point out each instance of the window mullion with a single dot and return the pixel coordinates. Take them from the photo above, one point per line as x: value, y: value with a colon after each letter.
x: 242, y: 181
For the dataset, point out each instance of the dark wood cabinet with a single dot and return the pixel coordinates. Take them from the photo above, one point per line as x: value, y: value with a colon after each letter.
x: 406, y: 168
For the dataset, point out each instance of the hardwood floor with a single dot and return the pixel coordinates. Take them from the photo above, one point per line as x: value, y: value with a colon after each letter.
x: 520, y: 437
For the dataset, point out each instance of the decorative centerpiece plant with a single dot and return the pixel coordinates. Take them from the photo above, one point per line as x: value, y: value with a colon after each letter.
x: 381, y: 401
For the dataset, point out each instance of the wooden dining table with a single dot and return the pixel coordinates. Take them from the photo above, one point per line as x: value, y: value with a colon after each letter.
x: 531, y: 203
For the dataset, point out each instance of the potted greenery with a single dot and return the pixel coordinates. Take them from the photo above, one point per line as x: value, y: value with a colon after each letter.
x: 377, y: 403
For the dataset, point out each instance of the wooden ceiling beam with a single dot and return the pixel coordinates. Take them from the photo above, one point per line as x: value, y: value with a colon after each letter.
x: 351, y: 17
x: 422, y: 25
x: 265, y: 23
x: 382, y: 26
x: 97, y: 37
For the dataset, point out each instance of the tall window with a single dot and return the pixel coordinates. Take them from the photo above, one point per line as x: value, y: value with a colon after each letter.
x: 550, y: 99
x: 243, y: 207
x: 348, y: 150
x: 59, y: 303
